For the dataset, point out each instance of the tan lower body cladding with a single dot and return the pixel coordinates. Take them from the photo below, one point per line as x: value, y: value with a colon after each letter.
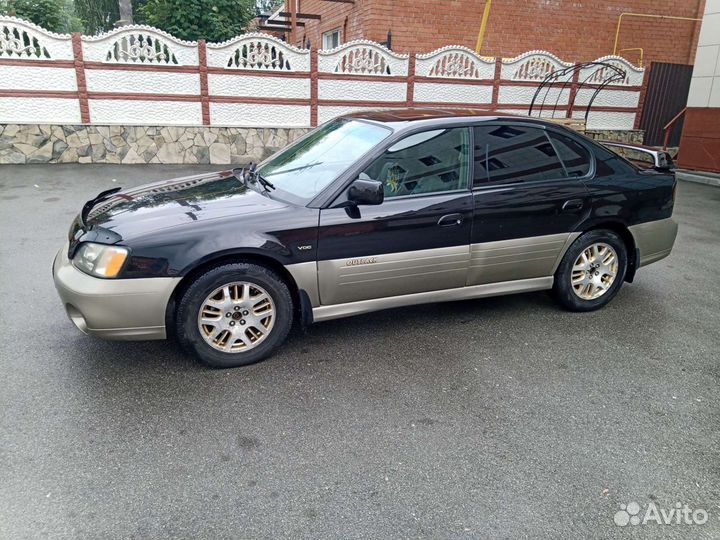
x: 343, y: 287
x: 410, y: 272
x: 654, y: 239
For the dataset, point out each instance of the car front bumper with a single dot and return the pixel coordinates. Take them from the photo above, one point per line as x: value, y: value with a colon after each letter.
x: 119, y: 309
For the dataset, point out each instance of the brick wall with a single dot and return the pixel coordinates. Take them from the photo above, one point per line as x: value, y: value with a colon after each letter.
x: 574, y: 30
x: 350, y: 18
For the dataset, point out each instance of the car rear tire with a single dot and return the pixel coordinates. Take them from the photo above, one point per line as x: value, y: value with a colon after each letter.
x: 234, y: 315
x: 591, y: 272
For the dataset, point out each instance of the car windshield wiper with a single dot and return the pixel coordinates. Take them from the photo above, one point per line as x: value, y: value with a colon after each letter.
x: 262, y: 180
x: 251, y: 173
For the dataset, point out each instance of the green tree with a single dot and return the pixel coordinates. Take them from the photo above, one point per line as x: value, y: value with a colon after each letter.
x: 97, y: 15
x: 213, y: 20
x: 101, y: 15
x: 53, y: 15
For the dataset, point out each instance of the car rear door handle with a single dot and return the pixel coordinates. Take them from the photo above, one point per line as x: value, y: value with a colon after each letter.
x: 451, y: 220
x: 573, y: 204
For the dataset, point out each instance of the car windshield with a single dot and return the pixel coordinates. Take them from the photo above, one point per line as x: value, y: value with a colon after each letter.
x: 307, y: 166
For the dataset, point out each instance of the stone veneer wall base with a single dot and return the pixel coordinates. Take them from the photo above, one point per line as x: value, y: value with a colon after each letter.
x: 46, y: 143
x: 630, y: 136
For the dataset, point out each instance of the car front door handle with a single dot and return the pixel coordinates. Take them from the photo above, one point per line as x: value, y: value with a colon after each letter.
x: 573, y: 204
x: 450, y: 220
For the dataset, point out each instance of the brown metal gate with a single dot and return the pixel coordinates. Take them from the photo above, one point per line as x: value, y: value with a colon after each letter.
x: 666, y: 96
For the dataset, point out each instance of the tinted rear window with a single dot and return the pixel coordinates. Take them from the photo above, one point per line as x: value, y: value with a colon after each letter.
x: 514, y: 154
x: 574, y: 156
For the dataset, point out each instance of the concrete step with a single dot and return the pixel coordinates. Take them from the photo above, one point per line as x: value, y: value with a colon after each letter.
x: 701, y: 177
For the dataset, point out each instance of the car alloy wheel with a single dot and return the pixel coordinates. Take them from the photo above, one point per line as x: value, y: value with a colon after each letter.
x: 236, y: 317
x: 234, y: 314
x: 591, y: 271
x: 594, y: 271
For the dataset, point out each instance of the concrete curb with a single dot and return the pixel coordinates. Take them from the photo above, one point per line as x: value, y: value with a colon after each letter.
x: 698, y: 177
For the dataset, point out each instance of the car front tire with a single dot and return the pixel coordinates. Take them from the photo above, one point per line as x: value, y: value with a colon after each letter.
x: 234, y: 315
x: 591, y: 271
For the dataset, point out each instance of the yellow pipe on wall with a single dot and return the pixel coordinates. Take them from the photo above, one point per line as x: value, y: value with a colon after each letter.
x: 483, y: 27
x: 646, y: 15
x: 642, y: 53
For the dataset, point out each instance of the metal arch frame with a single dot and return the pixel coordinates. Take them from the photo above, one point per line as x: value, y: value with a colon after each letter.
x: 568, y: 73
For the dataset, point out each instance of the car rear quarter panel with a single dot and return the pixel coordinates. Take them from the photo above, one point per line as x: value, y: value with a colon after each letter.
x: 639, y: 201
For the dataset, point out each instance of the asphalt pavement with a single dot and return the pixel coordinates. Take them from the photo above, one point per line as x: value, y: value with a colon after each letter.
x: 497, y: 418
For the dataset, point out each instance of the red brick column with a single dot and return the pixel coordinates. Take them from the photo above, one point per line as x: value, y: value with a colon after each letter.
x: 80, y: 76
x: 204, y: 93
x: 411, y: 81
x: 314, y: 86
x: 496, y: 84
x: 641, y: 99
x: 573, y: 93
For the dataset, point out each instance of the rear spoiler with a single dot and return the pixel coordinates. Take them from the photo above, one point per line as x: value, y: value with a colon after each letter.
x: 644, y: 157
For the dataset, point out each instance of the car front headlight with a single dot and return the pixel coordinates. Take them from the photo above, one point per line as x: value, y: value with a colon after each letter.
x: 100, y: 260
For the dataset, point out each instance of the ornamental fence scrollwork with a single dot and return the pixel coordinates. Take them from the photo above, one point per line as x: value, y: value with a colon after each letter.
x: 140, y: 48
x: 455, y: 62
x: 259, y: 54
x: 20, y: 39
x: 363, y: 58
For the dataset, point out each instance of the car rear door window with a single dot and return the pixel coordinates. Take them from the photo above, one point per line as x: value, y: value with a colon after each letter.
x: 510, y: 154
x: 574, y: 156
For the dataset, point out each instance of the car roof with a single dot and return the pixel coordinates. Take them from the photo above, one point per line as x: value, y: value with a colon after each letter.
x: 402, y: 118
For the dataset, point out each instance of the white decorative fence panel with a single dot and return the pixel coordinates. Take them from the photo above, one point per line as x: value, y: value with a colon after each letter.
x: 523, y: 95
x: 15, y: 110
x: 259, y: 115
x: 259, y: 86
x: 454, y: 63
x: 633, y: 75
x: 139, y: 45
x: 454, y: 75
x: 138, y: 75
x: 51, y: 79
x: 607, y: 119
x: 531, y: 66
x: 142, y: 82
x: 615, y: 98
x: 146, y: 113
x: 23, y: 40
x: 259, y: 52
x: 539, y: 113
x: 362, y: 91
x: 453, y: 93
x: 362, y: 57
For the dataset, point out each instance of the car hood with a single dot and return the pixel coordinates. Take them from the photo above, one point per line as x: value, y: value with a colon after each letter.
x: 179, y: 202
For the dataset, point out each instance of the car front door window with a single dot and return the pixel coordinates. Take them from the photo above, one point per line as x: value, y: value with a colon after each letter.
x: 428, y: 162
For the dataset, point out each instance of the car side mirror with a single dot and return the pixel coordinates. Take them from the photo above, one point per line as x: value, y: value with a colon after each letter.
x: 365, y: 190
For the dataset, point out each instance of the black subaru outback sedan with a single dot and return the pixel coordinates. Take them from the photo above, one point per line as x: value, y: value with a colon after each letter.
x: 369, y: 211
